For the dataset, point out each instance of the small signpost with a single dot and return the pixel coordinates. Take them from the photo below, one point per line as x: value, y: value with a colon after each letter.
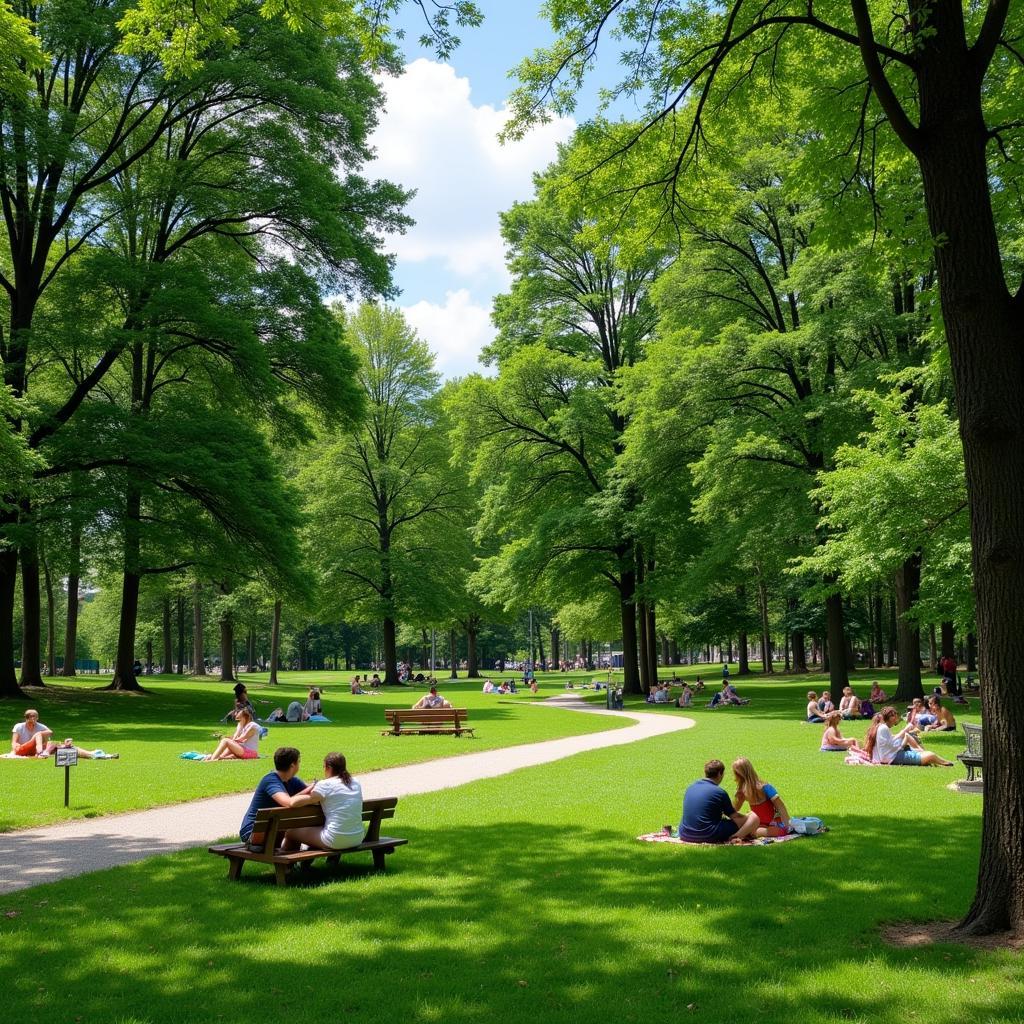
x: 66, y: 758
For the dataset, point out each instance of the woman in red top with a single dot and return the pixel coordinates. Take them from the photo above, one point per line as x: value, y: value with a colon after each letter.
x: 763, y: 798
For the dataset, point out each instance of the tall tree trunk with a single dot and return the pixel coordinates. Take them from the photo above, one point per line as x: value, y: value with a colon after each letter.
x: 630, y: 663
x: 933, y: 649
x: 31, y: 623
x: 453, y: 652
x: 540, y: 648
x: 892, y: 636
x: 785, y: 652
x: 876, y: 629
x: 227, y: 644
x: 652, y: 642
x: 168, y: 663
x: 645, y: 664
x: 198, y: 643
x: 71, y: 619
x: 948, y: 635
x: 390, y: 653
x: 799, y: 642
x: 51, y: 612
x: 472, y: 659
x: 666, y: 656
x: 674, y: 651
x: 181, y: 634
x: 8, y: 588
x: 124, y: 666
x: 275, y: 643
x: 908, y: 637
x: 250, y: 651
x: 767, y: 665
x: 972, y: 653
x: 838, y: 676
x: 149, y: 656
x: 424, y: 651
x: 556, y: 649
x: 743, y: 643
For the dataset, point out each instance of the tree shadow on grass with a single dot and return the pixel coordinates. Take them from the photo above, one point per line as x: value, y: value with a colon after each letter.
x: 516, y: 921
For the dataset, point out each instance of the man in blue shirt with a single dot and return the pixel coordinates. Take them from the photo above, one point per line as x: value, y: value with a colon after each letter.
x: 708, y: 813
x: 276, y: 787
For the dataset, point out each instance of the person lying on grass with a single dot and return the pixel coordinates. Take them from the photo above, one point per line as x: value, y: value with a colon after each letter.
x: 708, y: 813
x: 276, y: 787
x: 87, y: 755
x: 882, y: 746
x: 833, y: 739
x: 944, y: 720
x: 244, y: 745
x: 341, y: 799
x: 763, y: 798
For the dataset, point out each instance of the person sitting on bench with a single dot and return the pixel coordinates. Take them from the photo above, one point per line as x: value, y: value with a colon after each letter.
x: 431, y: 700
x: 341, y: 799
x: 276, y: 787
x: 708, y: 813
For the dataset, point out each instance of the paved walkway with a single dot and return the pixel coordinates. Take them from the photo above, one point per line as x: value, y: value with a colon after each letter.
x: 40, y: 855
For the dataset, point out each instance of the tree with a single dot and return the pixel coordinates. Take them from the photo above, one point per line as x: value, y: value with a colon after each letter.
x: 383, y: 503
x: 945, y: 87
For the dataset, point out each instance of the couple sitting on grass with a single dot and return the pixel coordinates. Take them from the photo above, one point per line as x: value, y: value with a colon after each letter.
x: 709, y: 816
x: 339, y: 795
x: 30, y: 738
x: 882, y: 745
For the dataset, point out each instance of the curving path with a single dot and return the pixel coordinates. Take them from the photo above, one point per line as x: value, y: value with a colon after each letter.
x: 40, y: 855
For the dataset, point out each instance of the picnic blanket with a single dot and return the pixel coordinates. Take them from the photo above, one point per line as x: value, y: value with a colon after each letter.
x: 660, y: 837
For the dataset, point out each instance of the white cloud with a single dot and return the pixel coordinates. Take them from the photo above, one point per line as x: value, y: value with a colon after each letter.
x: 433, y: 139
x: 455, y: 331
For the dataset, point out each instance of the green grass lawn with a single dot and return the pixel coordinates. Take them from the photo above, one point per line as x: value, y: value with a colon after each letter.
x: 526, y: 898
x: 151, y: 730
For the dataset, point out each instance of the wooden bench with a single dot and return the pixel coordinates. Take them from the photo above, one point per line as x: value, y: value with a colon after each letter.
x: 971, y: 757
x: 422, y: 720
x: 272, y: 822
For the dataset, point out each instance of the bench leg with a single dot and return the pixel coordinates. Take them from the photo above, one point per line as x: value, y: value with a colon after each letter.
x: 378, y: 860
x: 333, y: 861
x: 234, y: 868
x: 281, y: 874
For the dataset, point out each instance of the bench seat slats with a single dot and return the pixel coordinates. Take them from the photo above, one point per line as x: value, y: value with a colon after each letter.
x: 426, y: 720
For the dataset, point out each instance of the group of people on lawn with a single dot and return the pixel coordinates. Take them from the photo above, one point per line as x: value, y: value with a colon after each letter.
x: 30, y: 738
x: 882, y: 745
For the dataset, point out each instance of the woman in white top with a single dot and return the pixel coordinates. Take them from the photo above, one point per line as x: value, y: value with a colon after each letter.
x: 244, y: 745
x: 313, y: 705
x: 886, y: 747
x: 341, y: 798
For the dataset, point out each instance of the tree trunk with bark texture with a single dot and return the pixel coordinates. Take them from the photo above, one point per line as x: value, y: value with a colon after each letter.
x: 181, y: 635
x: 453, y: 653
x: 31, y: 620
x: 51, y: 634
x: 908, y: 583
x: 390, y: 653
x: 198, y: 644
x: 275, y: 643
x: 124, y: 666
x: 837, y: 672
x: 472, y: 659
x: 948, y: 640
x: 71, y: 618
x: 168, y: 662
x: 556, y: 649
x: 767, y: 666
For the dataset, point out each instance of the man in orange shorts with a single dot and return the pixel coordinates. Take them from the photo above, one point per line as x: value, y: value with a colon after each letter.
x: 30, y: 738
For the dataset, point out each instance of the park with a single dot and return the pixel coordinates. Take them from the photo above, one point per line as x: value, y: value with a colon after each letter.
x: 573, y: 448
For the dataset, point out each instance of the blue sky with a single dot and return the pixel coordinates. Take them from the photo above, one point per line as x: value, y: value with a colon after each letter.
x: 438, y: 136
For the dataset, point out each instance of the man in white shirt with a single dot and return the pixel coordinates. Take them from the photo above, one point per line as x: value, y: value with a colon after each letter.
x: 30, y: 738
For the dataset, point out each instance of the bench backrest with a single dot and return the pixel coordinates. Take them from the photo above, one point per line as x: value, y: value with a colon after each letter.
x: 272, y: 821
x: 425, y: 716
x: 972, y: 734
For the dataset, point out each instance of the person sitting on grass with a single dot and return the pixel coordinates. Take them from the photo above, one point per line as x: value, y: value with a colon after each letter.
x: 276, y: 787
x: 763, y: 798
x: 877, y: 695
x: 849, y: 704
x: 685, y: 699
x: 341, y: 799
x: 885, y: 747
x: 698, y: 684
x: 431, y: 700
x: 30, y: 737
x: 504, y: 688
x: 832, y: 739
x: 732, y: 696
x: 533, y: 686
x: 244, y: 745
x: 708, y: 813
x: 825, y: 705
x: 356, y: 689
x: 944, y: 720
x: 812, y: 708
x: 917, y: 717
x: 313, y: 705
x: 242, y: 703
x: 488, y: 686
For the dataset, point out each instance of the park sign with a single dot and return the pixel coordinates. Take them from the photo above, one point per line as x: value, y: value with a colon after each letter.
x: 66, y: 758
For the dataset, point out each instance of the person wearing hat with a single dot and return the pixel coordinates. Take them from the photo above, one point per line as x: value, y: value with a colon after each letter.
x: 431, y: 700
